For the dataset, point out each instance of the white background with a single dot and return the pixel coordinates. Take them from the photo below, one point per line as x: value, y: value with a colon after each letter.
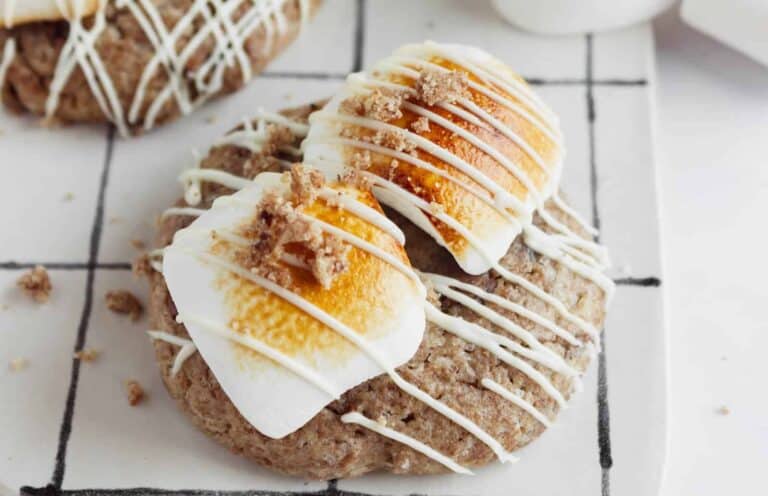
x: 713, y: 177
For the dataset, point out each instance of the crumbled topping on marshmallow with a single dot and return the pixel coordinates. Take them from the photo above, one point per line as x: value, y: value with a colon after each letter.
x: 281, y: 234
x: 420, y: 125
x: 305, y: 183
x: 380, y: 104
x: 435, y: 87
x: 361, y: 160
x: 354, y: 178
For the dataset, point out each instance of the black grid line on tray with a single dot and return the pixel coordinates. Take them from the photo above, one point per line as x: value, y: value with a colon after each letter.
x: 647, y: 282
x: 603, y: 410
x: 11, y: 265
x: 532, y: 80
x: 50, y: 490
x: 93, y: 253
x: 92, y: 266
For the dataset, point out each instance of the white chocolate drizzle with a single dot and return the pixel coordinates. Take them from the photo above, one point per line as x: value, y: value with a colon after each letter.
x: 258, y: 346
x: 362, y: 420
x: 188, y: 90
x: 9, y: 52
x: 250, y: 138
x: 188, y: 348
x: 517, y: 400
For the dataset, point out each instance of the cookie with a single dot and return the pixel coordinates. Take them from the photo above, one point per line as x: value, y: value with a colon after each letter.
x: 503, y: 349
x: 112, y: 65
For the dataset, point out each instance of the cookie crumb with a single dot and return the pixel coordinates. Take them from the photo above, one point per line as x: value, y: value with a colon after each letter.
x: 36, y: 284
x: 124, y: 302
x: 138, y: 244
x: 434, y: 87
x: 68, y: 197
x: 142, y: 266
x: 87, y: 355
x: 135, y: 392
x: 18, y: 364
x: 380, y: 104
x: 723, y: 410
x: 420, y: 125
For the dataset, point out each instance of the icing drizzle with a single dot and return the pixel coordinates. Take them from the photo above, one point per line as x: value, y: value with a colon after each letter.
x: 188, y: 91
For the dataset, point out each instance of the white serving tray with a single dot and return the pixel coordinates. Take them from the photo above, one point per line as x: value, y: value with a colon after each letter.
x: 67, y: 429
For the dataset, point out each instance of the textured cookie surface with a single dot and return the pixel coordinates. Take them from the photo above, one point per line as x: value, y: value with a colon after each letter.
x: 126, y: 47
x: 445, y: 366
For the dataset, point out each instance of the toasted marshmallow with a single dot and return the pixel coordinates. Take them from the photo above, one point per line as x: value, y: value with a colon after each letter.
x: 452, y: 138
x: 17, y: 12
x: 276, y: 342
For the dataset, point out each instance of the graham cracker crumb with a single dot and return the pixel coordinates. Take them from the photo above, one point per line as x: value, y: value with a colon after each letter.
x: 141, y: 267
x: 305, y: 184
x: 354, y: 178
x: 393, y: 165
x: 135, y: 392
x: 396, y: 140
x: 420, y: 125
x: 361, y: 160
x: 87, y: 355
x: 434, y: 87
x: 138, y: 244
x: 280, y: 232
x: 36, y: 284
x: 18, y: 364
x: 380, y: 104
x: 723, y: 410
x: 124, y: 302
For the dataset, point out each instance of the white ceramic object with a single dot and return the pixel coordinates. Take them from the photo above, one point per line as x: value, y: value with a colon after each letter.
x: 577, y: 16
x: 741, y: 24
x: 154, y: 445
